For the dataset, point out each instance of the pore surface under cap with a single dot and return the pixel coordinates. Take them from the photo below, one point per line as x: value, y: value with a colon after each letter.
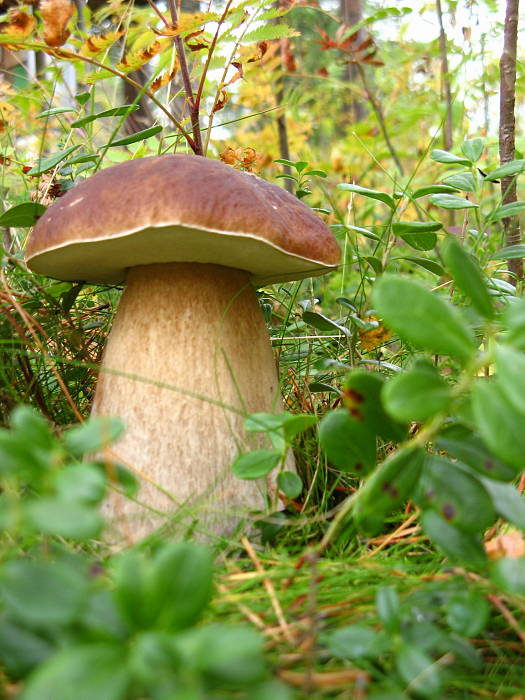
x: 179, y: 208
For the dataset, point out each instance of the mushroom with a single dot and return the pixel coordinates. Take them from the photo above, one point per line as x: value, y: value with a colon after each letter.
x: 188, y: 356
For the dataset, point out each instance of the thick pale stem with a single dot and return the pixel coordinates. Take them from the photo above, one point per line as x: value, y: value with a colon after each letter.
x: 194, y: 339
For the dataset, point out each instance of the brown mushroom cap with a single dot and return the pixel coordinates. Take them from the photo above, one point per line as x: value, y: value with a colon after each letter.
x: 179, y: 208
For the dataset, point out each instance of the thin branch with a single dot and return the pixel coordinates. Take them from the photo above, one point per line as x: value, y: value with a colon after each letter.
x: 445, y: 81
x: 507, y: 126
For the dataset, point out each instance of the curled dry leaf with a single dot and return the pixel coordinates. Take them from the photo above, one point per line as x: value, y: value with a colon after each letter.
x: 241, y: 158
x: 375, y: 337
x: 48, y: 189
x: 19, y: 24
x: 510, y: 544
x: 56, y: 14
x: 163, y: 79
x: 219, y: 104
x: 196, y: 45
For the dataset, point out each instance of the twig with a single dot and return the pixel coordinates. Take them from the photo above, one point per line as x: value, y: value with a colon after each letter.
x: 445, y: 80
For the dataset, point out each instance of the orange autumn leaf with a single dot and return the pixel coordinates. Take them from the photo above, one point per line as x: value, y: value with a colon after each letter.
x: 97, y: 43
x: 374, y: 337
x: 136, y: 59
x: 56, y: 14
x: 19, y: 25
x: 163, y: 79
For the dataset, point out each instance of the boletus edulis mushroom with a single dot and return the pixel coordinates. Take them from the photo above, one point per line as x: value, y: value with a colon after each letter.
x: 188, y: 356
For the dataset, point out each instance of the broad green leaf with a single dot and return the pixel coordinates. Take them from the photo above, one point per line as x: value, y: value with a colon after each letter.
x: 51, y: 161
x: 82, y: 672
x: 455, y: 494
x: 133, y: 138
x: 362, y: 397
x: 417, y: 394
x: 21, y: 649
x: 473, y: 149
x: 511, y: 252
x: 460, y: 546
x: 418, y: 234
x: 93, y: 435
x: 256, y: 464
x: 82, y: 158
x: 514, y: 320
x: 451, y: 201
x: 152, y: 658
x: 467, y: 275
x: 467, y: 612
x: 56, y: 516
x: 323, y: 323
x: 422, y: 318
x: 319, y: 387
x: 509, y: 573
x: 430, y: 265
x: 461, y: 181
x: 441, y: 156
x: 510, y: 371
x: 500, y: 426
x: 21, y: 215
x: 507, y: 210
x: 514, y: 167
x: 433, y: 189
x: 375, y: 263
x: 54, y: 110
x: 355, y: 642
x: 298, y: 423
x: 43, y: 594
x: 508, y: 502
x: 365, y: 232
x: 82, y: 97
x: 82, y: 483
x: 290, y: 484
x: 179, y: 585
x: 371, y: 194
x: 388, y: 608
x: 461, y: 443
x: 122, y: 111
x: 419, y: 671
x: 348, y: 444
x: 402, y: 227
x: 388, y: 487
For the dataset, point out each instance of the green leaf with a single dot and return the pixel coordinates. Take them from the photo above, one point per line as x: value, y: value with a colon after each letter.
x: 82, y: 672
x: 43, y: 594
x: 507, y: 210
x: 298, y: 423
x: 354, y: 642
x: 461, y: 181
x: 349, y: 445
x: 510, y: 371
x: 511, y: 252
x: 82, y: 98
x: 93, y: 435
x: 433, y: 189
x: 417, y: 394
x: 473, y: 149
x: 418, y: 234
x: 83, y: 158
x: 51, y: 161
x: 179, y: 585
x: 446, y: 157
x: 21, y: 649
x: 290, y: 484
x: 390, y: 485
x: 375, y: 263
x: 21, y: 215
x: 55, y: 516
x: 508, y: 502
x: 371, y: 194
x: 269, y: 32
x: 256, y: 464
x: 319, y: 387
x: 402, y: 227
x: 365, y: 232
x: 430, y: 265
x: 455, y: 494
x: 500, y: 426
x: 362, y: 397
x: 467, y: 275
x: 388, y: 608
x: 467, y: 613
x: 138, y: 136
x: 422, y: 318
x: 323, y: 323
x: 460, y: 546
x: 514, y: 320
x: 461, y: 443
x: 82, y: 483
x: 122, y: 111
x: 514, y: 167
x: 54, y: 110
x: 451, y: 201
x: 419, y: 671
x: 509, y: 573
